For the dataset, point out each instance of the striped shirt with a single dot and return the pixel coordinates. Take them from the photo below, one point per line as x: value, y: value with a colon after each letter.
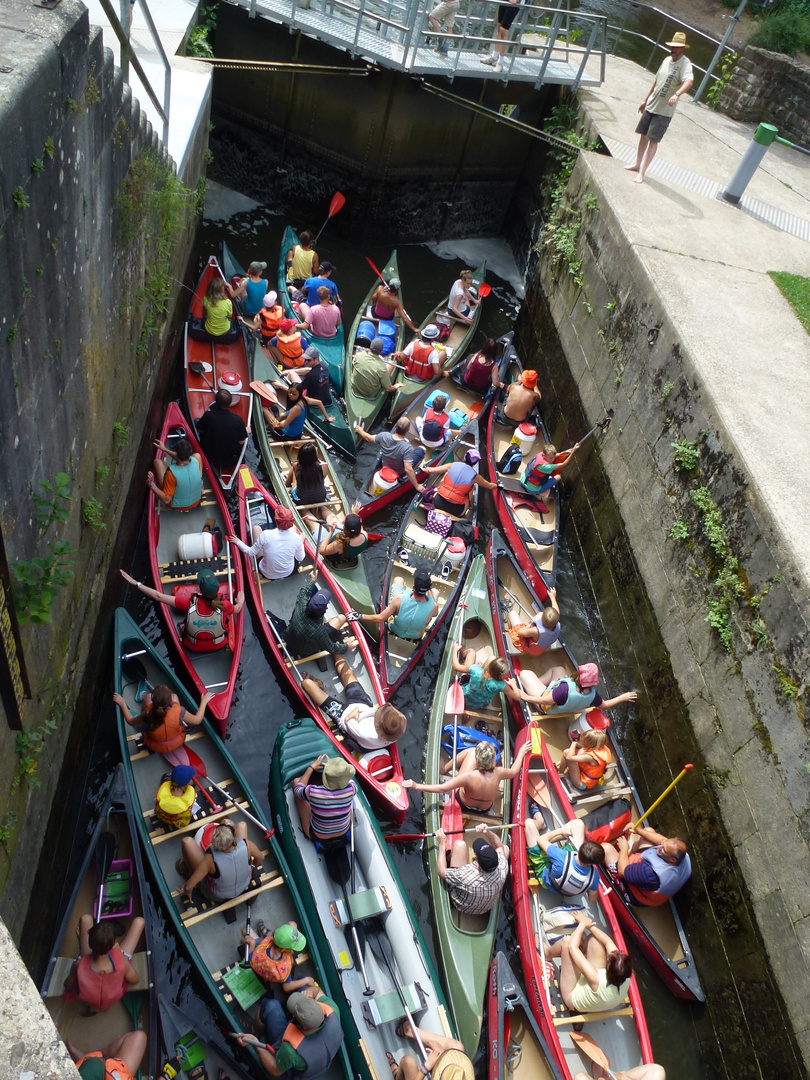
x: 331, y: 810
x: 471, y: 890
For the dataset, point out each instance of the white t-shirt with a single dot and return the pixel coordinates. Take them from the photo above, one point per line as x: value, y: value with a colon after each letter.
x: 667, y: 80
x: 278, y: 550
x: 457, y: 293
x: 361, y: 728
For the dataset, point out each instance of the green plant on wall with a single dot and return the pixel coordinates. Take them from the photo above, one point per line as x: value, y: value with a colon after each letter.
x: 685, y: 455
x: 724, y: 71
x: 28, y: 747
x: 121, y: 431
x: 94, y: 514
x: 54, y: 505
x: 198, y: 43
x: 37, y: 581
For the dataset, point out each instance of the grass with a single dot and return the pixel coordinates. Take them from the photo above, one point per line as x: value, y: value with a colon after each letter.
x: 796, y: 291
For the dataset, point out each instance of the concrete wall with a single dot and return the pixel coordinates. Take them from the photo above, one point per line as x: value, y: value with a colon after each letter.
x: 746, y: 812
x: 767, y: 87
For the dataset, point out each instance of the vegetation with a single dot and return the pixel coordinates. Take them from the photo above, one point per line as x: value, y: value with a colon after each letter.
x: 685, y: 455
x: 121, y: 431
x: 198, y: 43
x: 725, y: 69
x: 28, y: 747
x: 53, y: 506
x: 94, y: 514
x: 20, y: 199
x: 666, y: 390
x: 786, y: 30
x: 679, y: 531
x: 38, y: 580
x: 796, y: 290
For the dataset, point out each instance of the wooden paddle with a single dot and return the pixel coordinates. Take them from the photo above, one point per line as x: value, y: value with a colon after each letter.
x: 590, y: 1048
x: 335, y: 206
x: 662, y: 796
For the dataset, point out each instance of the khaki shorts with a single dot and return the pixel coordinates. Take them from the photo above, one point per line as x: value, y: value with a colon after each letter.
x: 446, y: 12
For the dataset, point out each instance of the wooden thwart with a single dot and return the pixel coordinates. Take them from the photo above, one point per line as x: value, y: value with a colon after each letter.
x: 588, y: 1018
x: 192, y: 916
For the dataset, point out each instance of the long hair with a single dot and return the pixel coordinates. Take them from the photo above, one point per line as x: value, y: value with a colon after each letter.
x: 308, y: 469
x: 352, y: 526
x: 161, y: 703
x: 489, y: 350
x: 216, y: 290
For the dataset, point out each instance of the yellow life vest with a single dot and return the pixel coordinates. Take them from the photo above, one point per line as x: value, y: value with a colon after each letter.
x: 174, y: 809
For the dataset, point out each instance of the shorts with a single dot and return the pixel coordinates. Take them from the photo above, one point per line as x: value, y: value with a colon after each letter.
x: 354, y: 695
x: 472, y: 809
x: 523, y: 644
x: 507, y: 13
x: 653, y: 126
x: 446, y: 12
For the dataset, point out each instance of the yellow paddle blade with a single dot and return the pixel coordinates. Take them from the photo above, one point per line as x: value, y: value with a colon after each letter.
x: 537, y: 739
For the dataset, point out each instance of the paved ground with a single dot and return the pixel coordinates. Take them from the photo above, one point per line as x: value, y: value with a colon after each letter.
x: 709, y: 261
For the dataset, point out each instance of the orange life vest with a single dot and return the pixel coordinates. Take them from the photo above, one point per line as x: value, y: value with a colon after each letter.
x: 169, y: 735
x: 592, y: 774
x: 114, y: 1068
x: 271, y: 319
x: 454, y: 493
x: 417, y: 365
x: 101, y: 989
x: 290, y: 348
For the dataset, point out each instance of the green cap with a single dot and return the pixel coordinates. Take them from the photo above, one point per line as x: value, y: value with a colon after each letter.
x: 289, y: 937
x: 209, y: 586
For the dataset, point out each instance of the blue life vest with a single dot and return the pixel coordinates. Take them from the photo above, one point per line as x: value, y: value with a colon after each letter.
x: 189, y: 484
x: 577, y: 699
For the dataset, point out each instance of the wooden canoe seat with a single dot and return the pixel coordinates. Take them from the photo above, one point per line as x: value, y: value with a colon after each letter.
x: 306, y: 659
x: 221, y: 815
x: 145, y: 752
x: 433, y: 577
x: 193, y: 915
x: 492, y: 714
x: 589, y: 1018
x: 189, y: 738
x: 61, y: 970
x: 312, y: 506
x: 386, y: 1008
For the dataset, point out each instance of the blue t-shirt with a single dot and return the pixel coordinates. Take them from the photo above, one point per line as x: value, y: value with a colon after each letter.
x: 480, y: 690
x: 311, y: 286
x: 557, y: 858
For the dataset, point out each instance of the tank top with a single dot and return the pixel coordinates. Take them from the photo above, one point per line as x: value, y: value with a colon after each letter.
x: 479, y: 373
x: 295, y: 426
x: 312, y: 490
x: 255, y: 292
x: 412, y: 617
x: 233, y: 872
x: 302, y: 262
x: 188, y: 481
x: 577, y: 699
x: 380, y: 311
x: 168, y: 735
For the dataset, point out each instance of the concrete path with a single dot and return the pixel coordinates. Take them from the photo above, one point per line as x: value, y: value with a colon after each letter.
x: 710, y: 263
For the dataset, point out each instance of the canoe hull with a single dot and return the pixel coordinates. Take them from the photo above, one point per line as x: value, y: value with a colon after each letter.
x: 517, y: 1047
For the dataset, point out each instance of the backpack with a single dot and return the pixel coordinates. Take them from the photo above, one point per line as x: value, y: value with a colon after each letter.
x: 510, y: 460
x: 608, y: 821
x: 465, y: 531
x: 467, y: 738
x: 438, y: 523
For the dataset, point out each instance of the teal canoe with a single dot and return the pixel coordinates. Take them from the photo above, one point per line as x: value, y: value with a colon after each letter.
x: 394, y: 954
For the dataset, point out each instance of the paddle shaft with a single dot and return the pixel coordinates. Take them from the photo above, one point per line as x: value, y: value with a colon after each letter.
x: 408, y: 837
x: 245, y: 813
x: 105, y: 853
x: 246, y: 961
x: 393, y: 970
x: 522, y: 608
x: 661, y: 797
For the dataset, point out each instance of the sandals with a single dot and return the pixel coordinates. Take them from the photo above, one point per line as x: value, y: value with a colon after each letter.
x: 399, y: 1030
x: 392, y: 1063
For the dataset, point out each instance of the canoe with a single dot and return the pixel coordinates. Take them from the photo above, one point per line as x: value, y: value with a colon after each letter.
x: 216, y: 670
x: 398, y: 657
x: 331, y: 349
x: 463, y: 406
x: 210, y: 933
x: 517, y: 1048
x: 366, y: 410
x: 455, y: 346
x: 531, y: 525
x: 395, y: 953
x: 225, y: 366
x: 622, y: 1032
x: 124, y: 898
x: 275, y: 600
x: 657, y: 931
x: 197, y: 1041
x: 465, y: 940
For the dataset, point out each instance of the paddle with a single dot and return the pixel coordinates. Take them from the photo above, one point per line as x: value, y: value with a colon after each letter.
x: 484, y: 289
x: 335, y: 206
x: 196, y: 368
x: 339, y: 870
x: 376, y: 271
x: 245, y: 813
x: 246, y: 962
x: 522, y: 608
x: 175, y: 757
x: 407, y: 838
x: 662, y: 796
x: 379, y: 938
x: 454, y: 703
x: 232, y: 617
x: 587, y: 1045
x: 105, y: 853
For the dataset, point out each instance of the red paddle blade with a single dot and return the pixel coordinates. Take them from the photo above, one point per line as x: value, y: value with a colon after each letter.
x: 374, y: 268
x: 184, y: 756
x: 484, y: 289
x: 337, y: 203
x: 375, y: 538
x: 454, y: 705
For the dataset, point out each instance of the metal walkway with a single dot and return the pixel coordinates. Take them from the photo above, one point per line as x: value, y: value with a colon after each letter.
x: 546, y: 44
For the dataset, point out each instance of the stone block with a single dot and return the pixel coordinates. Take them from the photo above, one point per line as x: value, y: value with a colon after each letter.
x: 788, y: 963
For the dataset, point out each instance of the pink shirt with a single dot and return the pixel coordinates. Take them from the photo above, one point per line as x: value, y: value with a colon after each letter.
x: 323, y: 321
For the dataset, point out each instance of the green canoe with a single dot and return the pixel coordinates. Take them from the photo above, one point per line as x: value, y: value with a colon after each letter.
x: 394, y: 954
x: 465, y: 940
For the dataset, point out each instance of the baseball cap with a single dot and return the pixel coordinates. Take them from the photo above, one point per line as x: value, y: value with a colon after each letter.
x: 319, y: 602
x: 306, y: 1012
x: 486, y: 854
x: 289, y: 937
x: 287, y: 325
x: 257, y: 267
x: 311, y: 353
x: 182, y: 775
x: 421, y: 581
x: 209, y: 586
x: 328, y: 267
x: 377, y: 345
x: 270, y: 299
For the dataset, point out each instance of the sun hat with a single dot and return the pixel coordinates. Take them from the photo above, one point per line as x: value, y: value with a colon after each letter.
x: 486, y: 854
x: 588, y: 675
x: 678, y: 41
x: 430, y: 332
x: 377, y: 345
x: 319, y: 602
x: 395, y: 284
x: 270, y: 299
x: 289, y: 937
x: 287, y: 325
x: 453, y: 1065
x: 421, y: 581
x: 390, y: 723
x: 284, y: 518
x: 472, y: 457
x: 337, y: 773
x: 209, y: 586
x: 257, y: 267
x: 182, y: 775
x: 485, y: 756
x: 328, y: 267
x: 305, y: 1012
x: 529, y: 379
x: 311, y: 353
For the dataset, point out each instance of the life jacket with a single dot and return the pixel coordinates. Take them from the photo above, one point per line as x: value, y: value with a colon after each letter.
x: 454, y: 493
x: 271, y: 319
x: 268, y: 969
x: 412, y: 617
x: 290, y: 348
x: 174, y: 809
x: 670, y: 878
x: 433, y: 426
x: 577, y: 699
x: 537, y: 473
x: 417, y: 365
x: 97, y: 989
x: 318, y: 1049
x: 574, y: 879
x: 170, y: 734
x: 592, y: 774
x: 233, y: 872
x: 204, y: 633
x: 114, y: 1068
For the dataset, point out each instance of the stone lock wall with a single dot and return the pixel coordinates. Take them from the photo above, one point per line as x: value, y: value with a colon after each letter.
x: 767, y: 87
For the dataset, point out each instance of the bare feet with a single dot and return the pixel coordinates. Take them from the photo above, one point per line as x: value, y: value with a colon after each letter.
x: 639, y: 179
x: 631, y: 168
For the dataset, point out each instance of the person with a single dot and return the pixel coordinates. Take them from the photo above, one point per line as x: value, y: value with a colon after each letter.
x: 287, y: 347
x: 570, y: 870
x: 459, y: 478
x: 177, y: 483
x: 307, y: 633
x: 541, y: 633
x: 103, y: 972
x: 557, y: 692
x: 343, y: 548
x: 220, y: 323
x: 482, y: 368
x: 322, y: 318
x: 653, y: 867
x: 163, y: 720
x: 434, y: 423
x: 507, y: 13
x: 475, y: 886
x: 477, y: 778
x: 120, y: 1059
x: 176, y: 797
x: 396, y: 451
x: 306, y: 480
x: 222, y: 433
x: 208, y: 615
x: 370, y: 373
x: 307, y: 1044
x: 291, y: 424
x: 586, y: 760
x: 487, y: 676
x: 224, y: 870
x: 422, y: 358
x: 446, y: 1059
x: 313, y: 379
x: 279, y: 548
x: 596, y: 979
x: 272, y: 955
x: 520, y: 399
x: 386, y: 303
x: 408, y: 613
x: 325, y: 809
x: 639, y: 1072
x: 268, y: 320
x: 463, y: 300
x: 542, y: 471
x: 444, y: 14
x: 372, y: 727
x: 672, y: 80
x: 312, y: 286
x: 301, y: 260
x: 253, y: 288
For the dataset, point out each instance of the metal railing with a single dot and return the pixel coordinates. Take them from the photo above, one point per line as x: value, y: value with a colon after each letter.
x: 128, y: 56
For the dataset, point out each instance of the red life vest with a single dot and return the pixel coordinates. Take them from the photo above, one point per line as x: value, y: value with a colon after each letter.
x: 100, y: 989
x: 169, y: 735
x: 454, y: 493
x: 431, y: 434
x: 114, y: 1068
x: 204, y: 632
x: 417, y: 365
x: 290, y: 348
x: 271, y: 319
x: 538, y: 472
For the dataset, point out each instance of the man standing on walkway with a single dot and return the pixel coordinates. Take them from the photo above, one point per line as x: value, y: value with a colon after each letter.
x: 672, y: 80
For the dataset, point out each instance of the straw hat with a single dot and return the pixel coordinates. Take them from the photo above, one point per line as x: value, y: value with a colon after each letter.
x: 336, y: 774
x: 453, y: 1065
x: 389, y: 723
x: 678, y: 41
